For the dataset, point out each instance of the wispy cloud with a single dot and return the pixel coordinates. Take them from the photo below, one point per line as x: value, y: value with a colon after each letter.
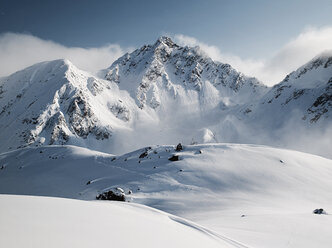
x: 18, y: 51
x: 21, y: 50
x: 276, y: 66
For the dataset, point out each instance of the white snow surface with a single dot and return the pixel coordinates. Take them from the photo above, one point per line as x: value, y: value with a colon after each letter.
x: 164, y: 94
x: 255, y: 195
x: 38, y: 222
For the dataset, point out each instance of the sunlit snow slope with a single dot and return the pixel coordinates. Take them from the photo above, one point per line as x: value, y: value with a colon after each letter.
x: 38, y: 222
x: 274, y: 190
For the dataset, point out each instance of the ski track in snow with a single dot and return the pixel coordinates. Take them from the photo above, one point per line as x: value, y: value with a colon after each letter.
x: 213, y: 185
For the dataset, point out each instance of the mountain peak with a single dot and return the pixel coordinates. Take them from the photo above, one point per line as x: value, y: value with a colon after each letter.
x: 319, y: 65
x: 167, y: 69
x: 166, y: 41
x: 324, y: 55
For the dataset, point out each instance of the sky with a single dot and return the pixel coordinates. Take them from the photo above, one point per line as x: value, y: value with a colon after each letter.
x: 266, y: 39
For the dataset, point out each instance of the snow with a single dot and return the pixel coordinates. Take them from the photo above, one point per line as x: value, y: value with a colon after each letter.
x: 212, y: 185
x: 53, y: 222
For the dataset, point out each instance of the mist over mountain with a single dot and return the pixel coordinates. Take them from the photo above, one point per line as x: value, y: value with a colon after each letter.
x: 164, y: 94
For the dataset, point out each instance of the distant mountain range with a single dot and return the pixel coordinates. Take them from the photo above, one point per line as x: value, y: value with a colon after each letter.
x: 161, y: 94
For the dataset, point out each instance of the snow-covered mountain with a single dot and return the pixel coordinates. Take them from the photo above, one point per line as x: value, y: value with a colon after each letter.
x: 259, y: 196
x: 306, y: 92
x: 56, y: 103
x: 162, y: 94
x: 156, y: 73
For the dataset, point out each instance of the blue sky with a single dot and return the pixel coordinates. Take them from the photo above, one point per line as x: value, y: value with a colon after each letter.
x: 248, y: 28
x: 251, y: 30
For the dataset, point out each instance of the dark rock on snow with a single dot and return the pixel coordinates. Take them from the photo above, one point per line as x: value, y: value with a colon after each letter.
x: 319, y: 211
x: 111, y: 196
x: 179, y: 147
x: 174, y: 158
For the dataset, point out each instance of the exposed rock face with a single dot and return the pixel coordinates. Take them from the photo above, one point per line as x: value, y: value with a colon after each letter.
x: 322, y: 104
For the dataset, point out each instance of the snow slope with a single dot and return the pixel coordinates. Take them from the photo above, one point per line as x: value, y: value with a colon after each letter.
x: 275, y: 190
x: 54, y: 222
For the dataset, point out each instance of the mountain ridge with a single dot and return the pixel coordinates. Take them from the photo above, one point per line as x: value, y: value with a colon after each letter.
x: 165, y: 61
x: 159, y: 94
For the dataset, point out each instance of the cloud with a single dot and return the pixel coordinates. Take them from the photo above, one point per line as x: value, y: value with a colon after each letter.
x: 274, y: 68
x: 300, y: 50
x: 22, y: 50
